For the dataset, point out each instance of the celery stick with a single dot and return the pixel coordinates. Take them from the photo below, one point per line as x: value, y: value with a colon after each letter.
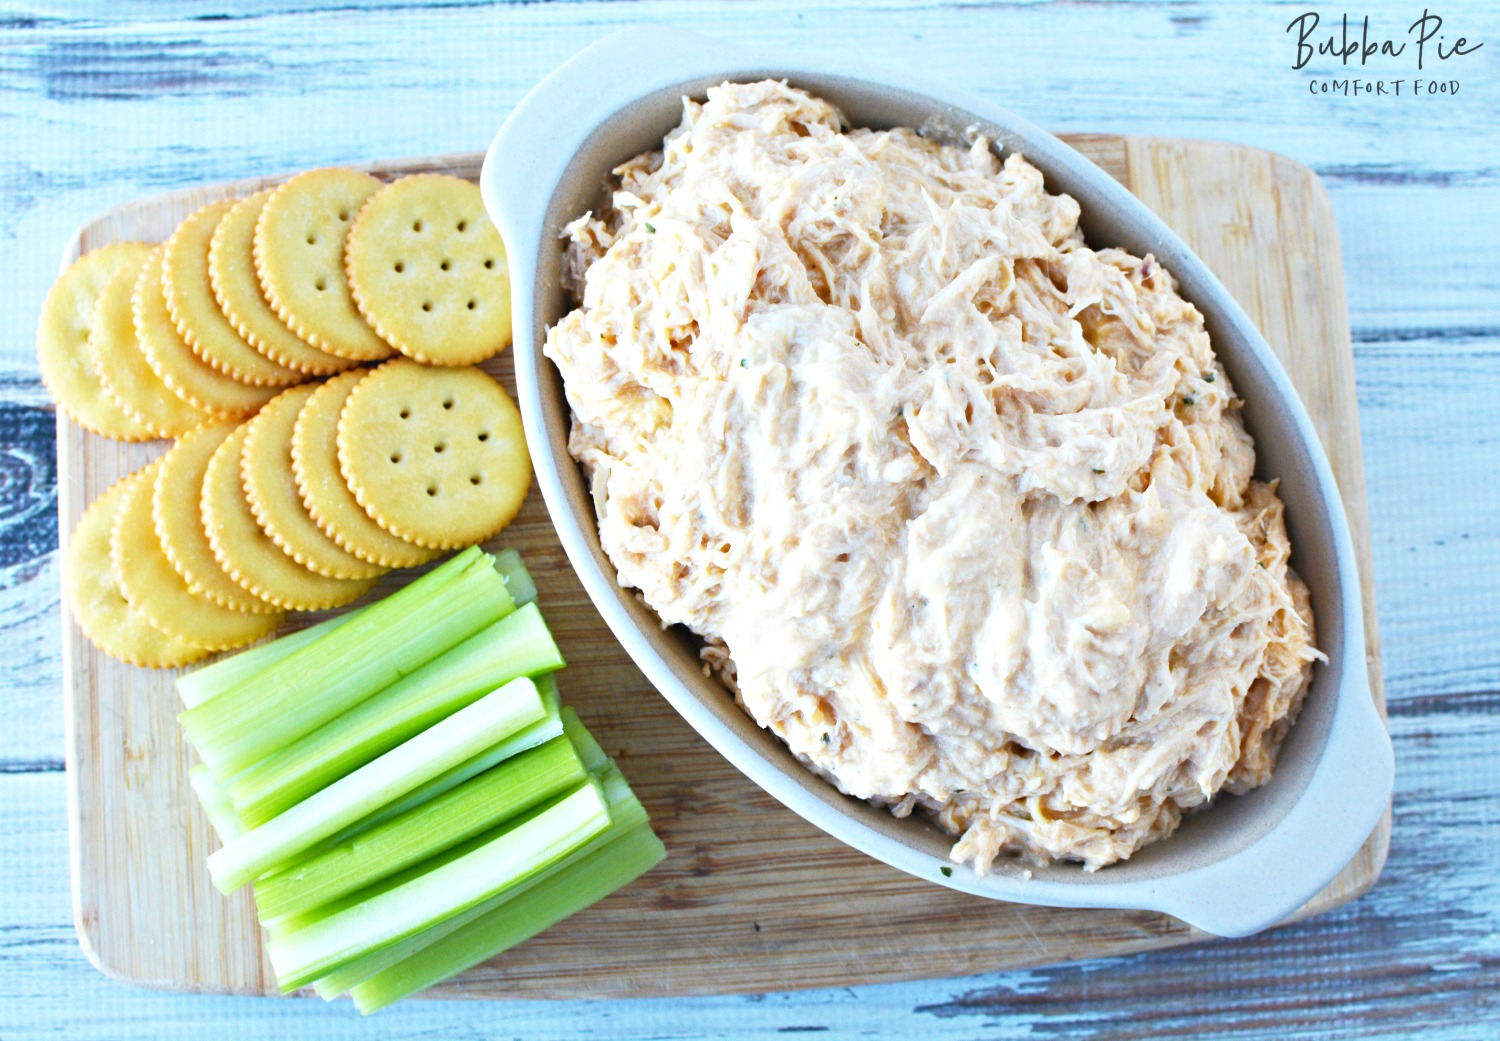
x: 291, y: 923
x: 517, y: 579
x: 538, y: 733
x: 626, y: 813
x: 546, y: 685
x: 216, y: 804
x: 564, y: 892
x: 212, y: 680
x: 519, y: 855
x: 583, y: 743
x: 517, y: 645
x: 490, y: 799
x: 327, y: 677
x: 356, y: 795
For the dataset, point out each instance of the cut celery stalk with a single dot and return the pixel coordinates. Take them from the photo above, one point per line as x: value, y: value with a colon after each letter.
x: 211, y: 680
x: 565, y: 892
x: 546, y: 685
x: 323, y: 679
x: 538, y: 733
x: 519, y: 855
x: 216, y: 804
x: 437, y: 749
x: 584, y: 744
x: 517, y: 645
x: 622, y: 805
x: 513, y: 787
x: 517, y: 579
x: 625, y: 812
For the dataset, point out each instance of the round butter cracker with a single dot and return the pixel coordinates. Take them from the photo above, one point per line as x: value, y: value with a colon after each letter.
x: 427, y: 269
x: 196, y: 313
x: 62, y: 342
x: 231, y: 272
x: 248, y: 554
x: 270, y: 488
x: 178, y: 519
x: 151, y: 585
x: 189, y: 376
x: 436, y: 456
x: 122, y: 367
x: 93, y: 593
x: 299, y: 259
x: 315, y: 466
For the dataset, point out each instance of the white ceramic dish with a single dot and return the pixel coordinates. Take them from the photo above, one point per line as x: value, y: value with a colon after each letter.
x: 1240, y: 866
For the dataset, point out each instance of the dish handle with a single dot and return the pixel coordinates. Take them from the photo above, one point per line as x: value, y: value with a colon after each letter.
x: 1348, y: 793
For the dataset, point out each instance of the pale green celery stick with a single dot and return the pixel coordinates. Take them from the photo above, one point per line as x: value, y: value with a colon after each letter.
x: 482, y: 803
x: 539, y: 733
x: 216, y: 804
x: 327, y: 677
x: 584, y: 744
x: 517, y: 645
x: 517, y: 578
x: 456, y: 739
x: 546, y: 685
x: 625, y: 812
x: 293, y: 923
x: 197, y: 687
x: 536, y: 734
x: 519, y: 855
x: 565, y: 892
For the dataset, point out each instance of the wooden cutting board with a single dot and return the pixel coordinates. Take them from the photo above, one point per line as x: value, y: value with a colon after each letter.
x: 751, y: 897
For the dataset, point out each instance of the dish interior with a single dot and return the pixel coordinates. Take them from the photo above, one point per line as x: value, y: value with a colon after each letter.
x: 1232, y: 823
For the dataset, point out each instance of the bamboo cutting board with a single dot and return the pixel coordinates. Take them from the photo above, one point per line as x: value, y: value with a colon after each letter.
x: 751, y: 897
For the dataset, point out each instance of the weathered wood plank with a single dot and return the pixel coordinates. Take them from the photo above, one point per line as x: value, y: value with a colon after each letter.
x: 1431, y: 433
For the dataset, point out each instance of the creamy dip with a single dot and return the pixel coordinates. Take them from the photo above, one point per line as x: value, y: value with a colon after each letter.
x: 961, y: 507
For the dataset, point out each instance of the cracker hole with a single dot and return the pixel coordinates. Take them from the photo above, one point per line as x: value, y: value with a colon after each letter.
x: 432, y: 489
x: 400, y: 266
x: 427, y: 305
x: 416, y: 226
x: 484, y: 435
x: 474, y: 478
x: 311, y: 238
x: 445, y: 265
x: 440, y: 447
x: 473, y: 304
x: 463, y: 226
x: 322, y: 284
x: 447, y: 402
x: 343, y: 214
x: 406, y: 413
x: 395, y: 457
x: 489, y: 263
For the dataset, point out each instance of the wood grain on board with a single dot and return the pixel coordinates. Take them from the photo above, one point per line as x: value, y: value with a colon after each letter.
x: 751, y: 897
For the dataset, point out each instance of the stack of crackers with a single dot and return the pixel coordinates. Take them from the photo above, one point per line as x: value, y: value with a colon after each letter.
x: 301, y: 471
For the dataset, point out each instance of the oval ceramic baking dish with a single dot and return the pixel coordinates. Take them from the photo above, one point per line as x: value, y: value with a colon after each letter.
x: 1237, y: 867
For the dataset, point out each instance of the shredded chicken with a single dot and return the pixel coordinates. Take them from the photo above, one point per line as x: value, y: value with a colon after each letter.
x: 961, y: 507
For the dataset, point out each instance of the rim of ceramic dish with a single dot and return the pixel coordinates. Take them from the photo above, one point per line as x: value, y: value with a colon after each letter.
x: 1246, y: 863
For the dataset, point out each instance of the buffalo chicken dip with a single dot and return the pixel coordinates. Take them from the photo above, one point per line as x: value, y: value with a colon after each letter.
x: 961, y: 507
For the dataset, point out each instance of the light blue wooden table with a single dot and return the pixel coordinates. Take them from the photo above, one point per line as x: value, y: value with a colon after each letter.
x: 103, y: 103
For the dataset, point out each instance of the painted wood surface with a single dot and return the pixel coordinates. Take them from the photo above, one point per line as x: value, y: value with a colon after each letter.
x: 191, y: 92
x: 744, y: 882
